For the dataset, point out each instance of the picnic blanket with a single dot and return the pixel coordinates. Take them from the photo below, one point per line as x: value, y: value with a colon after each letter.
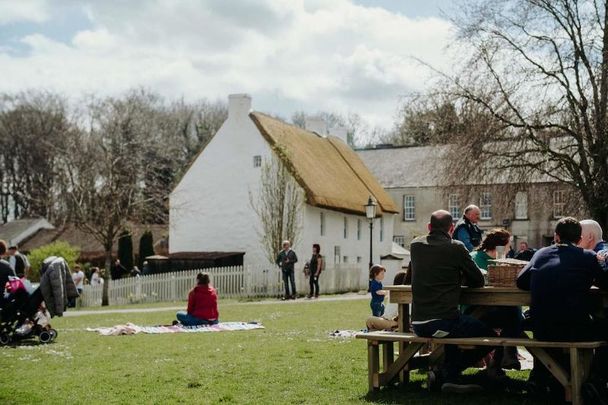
x: 132, y: 329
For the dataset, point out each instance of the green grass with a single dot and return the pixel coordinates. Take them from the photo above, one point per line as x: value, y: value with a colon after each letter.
x: 293, y: 360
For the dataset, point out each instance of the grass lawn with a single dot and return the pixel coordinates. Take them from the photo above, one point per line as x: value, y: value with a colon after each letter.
x: 293, y: 360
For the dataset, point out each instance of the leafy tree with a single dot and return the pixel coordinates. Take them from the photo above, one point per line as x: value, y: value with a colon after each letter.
x: 63, y: 249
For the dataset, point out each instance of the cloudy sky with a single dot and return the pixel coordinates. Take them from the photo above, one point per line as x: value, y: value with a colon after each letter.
x: 332, y: 55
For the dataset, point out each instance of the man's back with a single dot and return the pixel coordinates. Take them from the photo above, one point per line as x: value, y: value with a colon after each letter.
x: 439, y: 267
x: 559, y: 278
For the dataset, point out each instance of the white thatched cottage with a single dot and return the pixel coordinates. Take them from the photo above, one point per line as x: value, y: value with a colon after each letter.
x: 210, y: 208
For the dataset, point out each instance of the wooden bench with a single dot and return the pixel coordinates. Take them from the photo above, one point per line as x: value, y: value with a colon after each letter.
x: 581, y: 354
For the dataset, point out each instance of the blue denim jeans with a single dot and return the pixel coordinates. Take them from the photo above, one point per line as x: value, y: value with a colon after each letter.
x: 188, y: 320
x: 289, y: 279
x: 463, y: 327
x: 377, y: 308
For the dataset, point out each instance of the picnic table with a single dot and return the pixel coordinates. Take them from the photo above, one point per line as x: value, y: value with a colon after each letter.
x: 581, y: 353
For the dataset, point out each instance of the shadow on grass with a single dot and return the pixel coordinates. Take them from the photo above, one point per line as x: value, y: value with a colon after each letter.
x: 415, y: 392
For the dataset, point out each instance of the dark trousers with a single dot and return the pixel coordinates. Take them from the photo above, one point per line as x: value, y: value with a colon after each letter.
x: 509, y: 321
x: 289, y: 279
x: 465, y: 326
x: 313, y: 281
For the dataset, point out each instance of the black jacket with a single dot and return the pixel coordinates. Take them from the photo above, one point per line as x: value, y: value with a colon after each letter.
x: 440, y: 266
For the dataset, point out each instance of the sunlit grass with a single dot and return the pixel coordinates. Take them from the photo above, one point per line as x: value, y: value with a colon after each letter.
x: 293, y: 360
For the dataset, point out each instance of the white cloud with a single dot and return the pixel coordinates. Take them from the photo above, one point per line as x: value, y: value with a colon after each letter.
x: 311, y: 55
x: 12, y: 11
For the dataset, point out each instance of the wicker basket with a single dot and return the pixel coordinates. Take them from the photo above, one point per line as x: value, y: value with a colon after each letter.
x: 503, y: 272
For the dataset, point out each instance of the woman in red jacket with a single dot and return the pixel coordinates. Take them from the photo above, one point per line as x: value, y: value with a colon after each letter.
x: 202, y: 304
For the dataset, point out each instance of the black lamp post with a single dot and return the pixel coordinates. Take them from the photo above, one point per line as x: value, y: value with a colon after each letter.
x: 370, y: 213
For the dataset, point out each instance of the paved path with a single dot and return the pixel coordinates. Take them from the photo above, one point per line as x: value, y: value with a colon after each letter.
x: 341, y: 297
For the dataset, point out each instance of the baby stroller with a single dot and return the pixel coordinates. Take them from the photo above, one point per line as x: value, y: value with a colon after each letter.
x: 23, y: 316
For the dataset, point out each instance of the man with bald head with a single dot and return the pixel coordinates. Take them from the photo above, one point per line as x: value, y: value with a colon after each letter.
x: 467, y: 230
x: 440, y: 266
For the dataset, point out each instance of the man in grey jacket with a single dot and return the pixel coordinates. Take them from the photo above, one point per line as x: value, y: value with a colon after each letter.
x: 440, y: 266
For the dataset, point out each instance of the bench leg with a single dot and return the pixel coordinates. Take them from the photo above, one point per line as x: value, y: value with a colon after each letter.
x: 580, y: 366
x: 373, y: 364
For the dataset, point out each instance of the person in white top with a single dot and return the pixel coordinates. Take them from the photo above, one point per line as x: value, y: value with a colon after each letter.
x: 95, y: 277
x: 78, y: 278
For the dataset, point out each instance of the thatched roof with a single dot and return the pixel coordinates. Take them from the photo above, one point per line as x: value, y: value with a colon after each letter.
x: 331, y: 174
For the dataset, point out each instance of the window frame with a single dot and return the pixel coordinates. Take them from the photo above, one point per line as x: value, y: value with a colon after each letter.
x: 409, y: 210
x: 484, y: 205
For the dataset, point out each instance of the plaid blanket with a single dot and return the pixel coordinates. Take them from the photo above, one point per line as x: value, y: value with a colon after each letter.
x: 132, y: 329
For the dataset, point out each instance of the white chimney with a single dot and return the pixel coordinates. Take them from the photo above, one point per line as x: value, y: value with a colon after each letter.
x: 316, y: 124
x: 238, y: 105
x: 340, y: 132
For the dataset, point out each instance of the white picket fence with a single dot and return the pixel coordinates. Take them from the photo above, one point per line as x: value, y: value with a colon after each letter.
x: 230, y: 282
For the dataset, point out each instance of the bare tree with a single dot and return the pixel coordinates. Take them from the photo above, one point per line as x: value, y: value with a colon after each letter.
x: 277, y: 206
x: 32, y: 125
x: 539, y: 68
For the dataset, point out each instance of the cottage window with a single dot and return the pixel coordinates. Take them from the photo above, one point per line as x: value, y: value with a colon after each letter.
x: 322, y: 218
x: 381, y: 229
x: 409, y: 208
x: 345, y: 259
x: 358, y: 259
x: 337, y: 255
x: 358, y: 229
x: 521, y: 205
x: 257, y: 161
x: 485, y: 205
x: 399, y: 239
x: 559, y: 203
x: 345, y: 228
x: 454, y: 205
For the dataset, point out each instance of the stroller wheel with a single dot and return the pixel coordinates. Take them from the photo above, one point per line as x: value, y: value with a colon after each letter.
x: 45, y: 337
x: 53, y: 333
x: 4, y: 339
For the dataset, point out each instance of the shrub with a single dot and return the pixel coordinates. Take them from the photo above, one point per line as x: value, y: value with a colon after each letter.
x: 68, y: 252
x: 125, y: 249
x: 146, y: 247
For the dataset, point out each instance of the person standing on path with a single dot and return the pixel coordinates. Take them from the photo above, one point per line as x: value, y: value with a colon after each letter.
x: 286, y: 260
x: 315, y: 267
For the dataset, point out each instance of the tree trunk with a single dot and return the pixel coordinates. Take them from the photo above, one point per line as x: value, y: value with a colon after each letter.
x: 108, y: 265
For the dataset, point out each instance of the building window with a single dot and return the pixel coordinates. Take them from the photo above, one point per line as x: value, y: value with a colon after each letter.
x: 359, y: 259
x: 336, y: 254
x: 559, y: 203
x: 381, y: 229
x: 521, y: 205
x: 345, y: 259
x: 454, y: 205
x: 257, y: 161
x: 345, y: 228
x: 322, y: 217
x: 409, y: 208
x: 358, y: 229
x: 399, y: 239
x: 485, y: 205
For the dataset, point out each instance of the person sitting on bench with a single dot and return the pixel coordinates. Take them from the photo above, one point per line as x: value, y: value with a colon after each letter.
x: 440, y: 266
x: 559, y: 278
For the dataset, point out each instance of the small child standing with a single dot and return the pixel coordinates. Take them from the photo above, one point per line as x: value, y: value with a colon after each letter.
x: 376, y: 275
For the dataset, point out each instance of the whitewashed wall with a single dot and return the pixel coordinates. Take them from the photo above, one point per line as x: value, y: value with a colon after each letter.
x: 210, y: 209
